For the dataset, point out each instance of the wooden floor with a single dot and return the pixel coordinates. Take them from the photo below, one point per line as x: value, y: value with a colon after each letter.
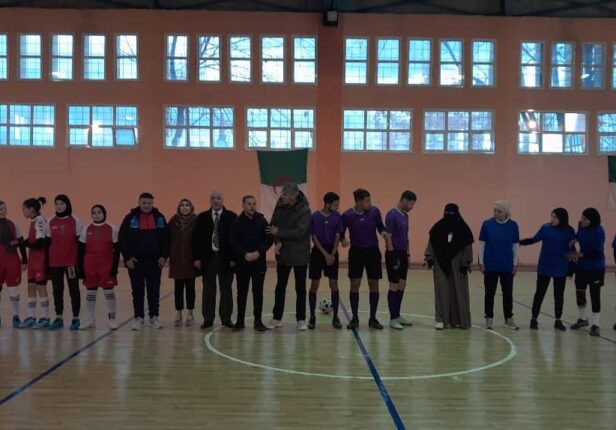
x: 174, y: 378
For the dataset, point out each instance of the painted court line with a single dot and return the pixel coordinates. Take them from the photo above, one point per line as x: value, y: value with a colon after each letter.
x: 62, y: 362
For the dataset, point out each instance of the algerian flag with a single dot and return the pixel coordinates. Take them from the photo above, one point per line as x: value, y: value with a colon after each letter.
x: 277, y: 168
x: 611, y: 167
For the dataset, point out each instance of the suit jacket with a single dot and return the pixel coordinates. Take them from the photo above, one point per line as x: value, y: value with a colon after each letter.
x: 202, y: 237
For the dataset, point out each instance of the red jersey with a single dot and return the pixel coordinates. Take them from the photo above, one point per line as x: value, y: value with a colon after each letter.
x: 99, y: 240
x: 63, y: 248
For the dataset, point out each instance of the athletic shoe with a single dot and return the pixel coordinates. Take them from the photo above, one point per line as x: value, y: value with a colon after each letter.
x: 75, y: 324
x: 533, y: 324
x: 558, y: 325
x: 16, y: 321
x: 594, y: 330
x: 274, y: 323
x: 579, y: 324
x: 405, y: 322
x: 614, y: 326
x: 138, y: 324
x: 396, y: 324
x: 43, y: 323
x: 312, y: 322
x: 155, y: 323
x: 353, y: 324
x: 57, y: 324
x: 301, y: 325
x: 206, y: 325
x: 113, y: 325
x: 238, y: 327
x: 510, y: 323
x: 28, y: 323
x: 259, y: 326
x: 88, y: 325
x: 228, y: 324
x: 375, y: 324
x: 190, y: 319
x: 489, y: 323
x: 336, y: 323
x: 439, y: 326
x: 178, y: 320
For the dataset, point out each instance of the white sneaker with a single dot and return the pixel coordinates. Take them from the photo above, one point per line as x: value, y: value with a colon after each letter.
x: 396, y: 324
x: 405, y: 322
x: 274, y: 323
x: 138, y: 324
x: 155, y: 323
x: 88, y: 325
x: 301, y: 325
x: 509, y: 322
x: 113, y: 325
x: 489, y: 324
x: 439, y: 326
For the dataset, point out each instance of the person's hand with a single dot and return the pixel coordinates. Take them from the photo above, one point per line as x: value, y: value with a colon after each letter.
x: 329, y: 259
x: 161, y: 262
x: 248, y: 256
x: 130, y: 263
x: 344, y: 242
x: 573, y: 242
x: 277, y: 248
x: 482, y: 268
x: 391, y: 260
x: 24, y: 267
x: 272, y: 230
x: 197, y: 264
x: 232, y: 264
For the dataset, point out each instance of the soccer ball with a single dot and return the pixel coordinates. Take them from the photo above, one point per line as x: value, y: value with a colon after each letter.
x: 325, y: 306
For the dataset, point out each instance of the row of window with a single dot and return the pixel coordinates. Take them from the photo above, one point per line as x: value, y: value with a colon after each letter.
x: 452, y: 131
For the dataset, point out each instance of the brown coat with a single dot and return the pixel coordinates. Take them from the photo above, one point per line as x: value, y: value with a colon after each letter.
x: 180, y: 256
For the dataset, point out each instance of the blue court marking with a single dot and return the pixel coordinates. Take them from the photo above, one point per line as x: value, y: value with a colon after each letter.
x: 377, y: 379
x: 62, y: 362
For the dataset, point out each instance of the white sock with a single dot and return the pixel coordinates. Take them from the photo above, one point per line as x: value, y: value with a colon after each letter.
x: 583, y: 314
x: 32, y: 307
x: 14, y: 299
x: 595, y: 318
x: 91, y: 303
x: 111, y: 302
x: 45, y: 306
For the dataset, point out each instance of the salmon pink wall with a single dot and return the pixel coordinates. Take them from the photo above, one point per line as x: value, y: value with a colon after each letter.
x: 534, y: 183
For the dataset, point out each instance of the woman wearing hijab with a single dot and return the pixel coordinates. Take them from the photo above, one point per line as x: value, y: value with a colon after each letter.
x: 181, y: 227
x: 450, y: 253
x: 555, y: 238
x: 499, y: 242
x: 590, y: 268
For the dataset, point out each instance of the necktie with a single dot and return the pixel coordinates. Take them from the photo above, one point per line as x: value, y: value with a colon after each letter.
x: 215, y: 235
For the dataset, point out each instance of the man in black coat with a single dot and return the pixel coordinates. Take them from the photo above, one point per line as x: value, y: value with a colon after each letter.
x: 212, y: 255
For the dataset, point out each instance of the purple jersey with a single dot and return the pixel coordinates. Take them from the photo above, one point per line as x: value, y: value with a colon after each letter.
x: 398, y: 226
x: 325, y: 228
x: 363, y: 227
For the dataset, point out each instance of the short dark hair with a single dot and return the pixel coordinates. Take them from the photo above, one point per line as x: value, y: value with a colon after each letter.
x: 409, y: 195
x: 360, y: 194
x: 249, y: 196
x: 146, y: 196
x: 330, y: 197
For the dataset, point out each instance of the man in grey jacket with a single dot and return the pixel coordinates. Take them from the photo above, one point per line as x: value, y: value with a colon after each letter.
x: 290, y: 227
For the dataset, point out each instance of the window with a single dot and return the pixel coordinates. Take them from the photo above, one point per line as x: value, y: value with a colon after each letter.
x: 606, y: 127
x: 483, y: 63
x: 30, y: 56
x: 388, y: 61
x: 376, y: 130
x: 127, y: 57
x: 272, y: 60
x: 94, y: 58
x: 61, y: 57
x: 208, y: 53
x: 552, y: 132
x: 304, y: 60
x: 562, y: 65
x: 240, y: 55
x: 26, y: 125
x: 279, y: 128
x: 451, y: 70
x: 531, y: 65
x: 459, y: 131
x: 420, y: 57
x: 198, y: 127
x: 356, y: 61
x: 102, y: 126
x: 176, y: 66
x: 592, y: 66
x: 4, y: 62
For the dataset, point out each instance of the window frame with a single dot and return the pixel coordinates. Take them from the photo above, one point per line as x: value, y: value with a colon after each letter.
x: 166, y: 58
x: 52, y: 57
x: 603, y: 68
x: 230, y: 59
x: 199, y: 58
x: 6, y: 57
x: 599, y: 134
x: 113, y: 128
x: 187, y: 128
x: 365, y: 129
x: 84, y: 58
x: 116, y: 36
x: 541, y: 65
x: 377, y: 62
x: 31, y: 146
x: 315, y: 61
x: 40, y: 57
x: 269, y: 128
x: 430, y: 63
x: 366, y: 61
x: 469, y: 131
x: 572, y: 65
x: 461, y: 63
x: 564, y: 133
x: 494, y: 63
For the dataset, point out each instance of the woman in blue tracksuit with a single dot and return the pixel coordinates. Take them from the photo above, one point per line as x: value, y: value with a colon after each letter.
x: 556, y: 239
x: 590, y: 268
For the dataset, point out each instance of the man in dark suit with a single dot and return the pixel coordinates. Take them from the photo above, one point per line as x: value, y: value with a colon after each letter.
x: 212, y: 255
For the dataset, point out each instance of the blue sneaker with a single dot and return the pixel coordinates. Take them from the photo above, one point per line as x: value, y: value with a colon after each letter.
x: 16, y: 321
x: 42, y: 323
x: 28, y: 323
x: 75, y: 325
x: 57, y: 324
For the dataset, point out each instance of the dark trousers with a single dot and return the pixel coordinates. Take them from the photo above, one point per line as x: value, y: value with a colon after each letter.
x: 57, y: 282
x: 283, y: 273
x: 244, y: 276
x: 180, y: 286
x: 215, y: 269
x: 583, y: 282
x: 145, y: 277
x: 490, y: 281
x: 559, y: 295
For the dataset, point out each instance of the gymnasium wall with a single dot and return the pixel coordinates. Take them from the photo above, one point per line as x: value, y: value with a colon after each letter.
x: 534, y: 183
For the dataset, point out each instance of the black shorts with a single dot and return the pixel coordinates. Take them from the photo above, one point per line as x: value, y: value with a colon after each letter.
x: 396, y: 258
x: 368, y: 258
x: 319, y: 266
x: 592, y: 277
